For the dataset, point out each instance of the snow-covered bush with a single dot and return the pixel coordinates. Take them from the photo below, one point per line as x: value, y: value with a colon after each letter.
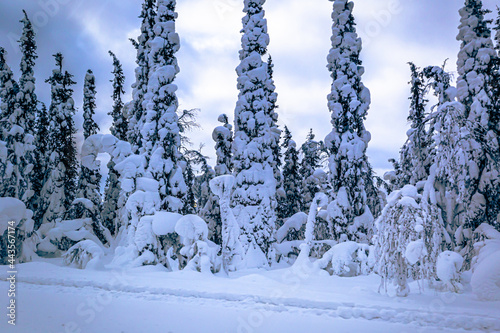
x: 320, y: 199
x: 347, y: 259
x: 409, y: 237
x: 199, y: 253
x: 448, y: 268
x: 14, y: 217
x: 163, y: 226
x: 485, y: 280
x: 84, y: 254
x: 63, y: 235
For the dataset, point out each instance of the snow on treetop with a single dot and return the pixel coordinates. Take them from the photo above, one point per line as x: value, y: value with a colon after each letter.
x: 221, y: 186
x: 191, y: 227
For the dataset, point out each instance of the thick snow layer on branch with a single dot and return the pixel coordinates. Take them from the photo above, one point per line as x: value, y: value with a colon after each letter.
x: 85, y: 254
x: 191, y: 228
x: 295, y: 222
x: 415, y: 251
x: 163, y: 223
x: 347, y: 259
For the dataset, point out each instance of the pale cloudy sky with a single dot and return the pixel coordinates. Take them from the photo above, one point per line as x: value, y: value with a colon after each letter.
x: 393, y: 31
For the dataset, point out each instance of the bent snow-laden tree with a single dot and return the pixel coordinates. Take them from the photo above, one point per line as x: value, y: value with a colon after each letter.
x: 347, y: 143
x: 254, y: 197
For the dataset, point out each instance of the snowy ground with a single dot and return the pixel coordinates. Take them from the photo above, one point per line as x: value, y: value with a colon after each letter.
x: 57, y: 299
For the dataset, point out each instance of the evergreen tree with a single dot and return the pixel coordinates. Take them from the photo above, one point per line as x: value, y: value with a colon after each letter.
x: 272, y: 97
x: 28, y: 105
x: 16, y: 121
x: 254, y: 197
x: 348, y: 102
x: 477, y: 179
x: 109, y: 213
x: 120, y: 122
x: 223, y: 137
x: 42, y: 155
x: 160, y: 132
x: 142, y: 73
x: 59, y: 190
x: 415, y: 160
x: 9, y: 107
x: 88, y: 196
x: 311, y: 150
x: 291, y: 203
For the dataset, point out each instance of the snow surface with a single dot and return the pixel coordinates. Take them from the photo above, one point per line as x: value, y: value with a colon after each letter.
x: 280, y: 300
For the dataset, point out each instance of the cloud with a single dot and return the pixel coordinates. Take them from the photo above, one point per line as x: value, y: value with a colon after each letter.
x: 394, y: 32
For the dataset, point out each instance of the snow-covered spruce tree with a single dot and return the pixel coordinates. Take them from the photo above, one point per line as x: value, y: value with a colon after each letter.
x: 291, y: 203
x: 120, y: 122
x: 59, y: 189
x: 272, y: 97
x: 42, y: 141
x: 190, y: 203
x: 477, y: 180
x: 88, y: 200
x: 9, y: 107
x: 311, y: 157
x: 142, y: 73
x: 160, y: 132
x: 223, y: 137
x: 28, y: 103
x: 415, y: 156
x: 347, y: 143
x: 16, y: 121
x: 254, y: 197
x: 109, y: 213
x: 202, y: 184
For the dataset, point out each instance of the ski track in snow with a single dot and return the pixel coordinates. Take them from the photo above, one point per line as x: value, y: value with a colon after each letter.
x: 344, y: 310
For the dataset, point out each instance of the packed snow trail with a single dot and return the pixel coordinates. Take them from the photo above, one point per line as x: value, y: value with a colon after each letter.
x: 95, y: 310
x: 253, y: 297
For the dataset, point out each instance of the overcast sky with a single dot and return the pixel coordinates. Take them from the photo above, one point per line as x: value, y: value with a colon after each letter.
x: 393, y: 31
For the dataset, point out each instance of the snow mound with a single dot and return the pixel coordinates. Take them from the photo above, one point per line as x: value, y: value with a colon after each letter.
x: 485, y: 280
x: 448, y: 267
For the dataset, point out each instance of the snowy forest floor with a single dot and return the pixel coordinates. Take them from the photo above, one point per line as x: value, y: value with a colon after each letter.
x: 53, y: 298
